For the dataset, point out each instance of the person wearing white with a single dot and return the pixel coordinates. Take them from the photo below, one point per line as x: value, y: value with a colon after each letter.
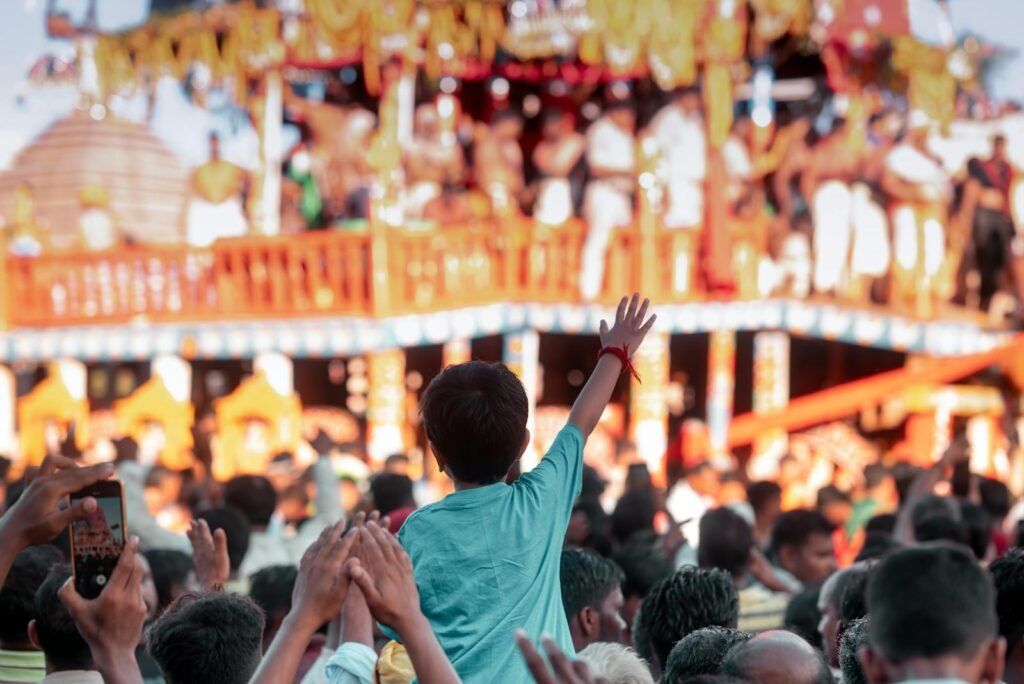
x: 215, y: 210
x: 679, y: 131
x: 608, y: 202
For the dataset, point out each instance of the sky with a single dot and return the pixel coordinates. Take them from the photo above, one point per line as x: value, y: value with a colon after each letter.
x: 25, y: 111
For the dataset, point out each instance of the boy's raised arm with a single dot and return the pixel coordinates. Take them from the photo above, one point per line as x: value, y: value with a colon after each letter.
x: 626, y: 333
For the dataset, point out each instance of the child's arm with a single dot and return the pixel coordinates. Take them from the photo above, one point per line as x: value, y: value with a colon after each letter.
x: 627, y: 332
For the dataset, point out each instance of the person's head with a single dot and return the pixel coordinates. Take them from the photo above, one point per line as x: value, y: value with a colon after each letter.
x: 148, y: 587
x: 835, y: 505
x: 995, y: 498
x: 622, y: 114
x: 214, y: 146
x: 1008, y: 577
x: 999, y: 147
x: 174, y: 575
x: 882, y: 524
x: 397, y: 464
x: 615, y: 663
x: 53, y: 631
x: 726, y: 541
x: 977, y: 524
x: 163, y: 485
x: 216, y: 637
x: 293, y: 503
x: 634, y: 513
x: 802, y: 545
x: 686, y: 601
x: 703, y: 479
x: 592, y: 598
x: 853, y: 600
x: 802, y: 616
x: 879, y: 483
x: 731, y: 490
x: 765, y: 498
x: 391, y: 492
x: 475, y: 415
x: 876, y: 545
x: 271, y: 589
x: 933, y: 611
x: 644, y: 564
x: 254, y: 496
x: 855, y: 637
x: 236, y: 529
x: 507, y: 124
x: 553, y: 124
x: 688, y: 100
x: 828, y: 606
x: 701, y: 653
x: 777, y: 657
x: 18, y: 594
x: 941, y: 528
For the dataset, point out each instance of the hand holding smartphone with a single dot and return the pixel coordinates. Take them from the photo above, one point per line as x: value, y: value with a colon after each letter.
x: 98, y: 539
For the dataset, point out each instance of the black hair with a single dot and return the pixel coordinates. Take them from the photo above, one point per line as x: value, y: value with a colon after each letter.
x: 643, y: 563
x: 853, y: 599
x: 1008, y: 576
x: 802, y: 616
x: 760, y: 494
x: 831, y: 494
x: 688, y: 600
x: 932, y: 506
x: 271, y: 588
x: 236, y: 529
x: 587, y: 579
x: 395, y: 458
x: 995, y: 497
x: 903, y: 475
x: 390, y: 492
x: 716, y: 679
x: 216, y: 637
x: 725, y: 541
x: 855, y: 637
x: 883, y: 523
x: 63, y: 646
x: 170, y: 569
x: 634, y: 513
x: 977, y: 526
x: 475, y: 415
x: 875, y: 546
x: 928, y: 602
x: 875, y: 474
x: 18, y: 594
x: 254, y: 496
x: 739, y: 660
x: 158, y: 474
x: 701, y: 653
x: 940, y: 528
x: 795, y: 528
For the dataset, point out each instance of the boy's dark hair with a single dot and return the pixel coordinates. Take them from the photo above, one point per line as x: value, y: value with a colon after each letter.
x: 217, y: 637
x: 586, y: 580
x: 634, y: 513
x: 690, y: 599
x: 855, y: 637
x: 760, y: 494
x: 170, y: 569
x: 475, y: 415
x: 391, y: 492
x: 802, y: 616
x: 701, y: 653
x: 236, y: 528
x: 795, y: 528
x: 1008, y: 577
x: 18, y: 594
x: 254, y: 496
x: 644, y: 564
x: 63, y: 646
x: 725, y: 541
x: 271, y: 589
x: 928, y: 602
x: 995, y: 497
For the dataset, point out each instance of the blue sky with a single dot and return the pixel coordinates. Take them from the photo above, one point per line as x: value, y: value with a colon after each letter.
x: 25, y: 111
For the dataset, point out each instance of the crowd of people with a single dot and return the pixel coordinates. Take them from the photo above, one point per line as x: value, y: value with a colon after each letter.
x: 913, y: 576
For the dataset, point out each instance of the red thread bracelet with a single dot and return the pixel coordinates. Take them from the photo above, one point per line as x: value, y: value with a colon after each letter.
x: 622, y: 353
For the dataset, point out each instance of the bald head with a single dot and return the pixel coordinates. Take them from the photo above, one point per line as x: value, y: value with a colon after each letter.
x: 777, y: 658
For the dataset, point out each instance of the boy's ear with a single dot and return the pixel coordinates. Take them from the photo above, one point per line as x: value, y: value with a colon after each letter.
x: 33, y: 635
x: 526, y: 443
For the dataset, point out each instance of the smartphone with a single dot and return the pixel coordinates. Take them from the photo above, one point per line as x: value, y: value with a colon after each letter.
x: 98, y: 539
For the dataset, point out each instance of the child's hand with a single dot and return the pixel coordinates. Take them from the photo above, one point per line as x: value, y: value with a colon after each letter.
x: 629, y: 329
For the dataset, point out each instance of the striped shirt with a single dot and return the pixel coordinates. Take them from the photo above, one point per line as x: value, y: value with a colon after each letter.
x: 19, y: 667
x: 761, y: 610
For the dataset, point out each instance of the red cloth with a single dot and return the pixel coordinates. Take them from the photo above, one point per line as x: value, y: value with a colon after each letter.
x: 398, y: 518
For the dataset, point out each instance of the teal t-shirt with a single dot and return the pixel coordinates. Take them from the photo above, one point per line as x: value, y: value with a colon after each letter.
x: 487, y: 561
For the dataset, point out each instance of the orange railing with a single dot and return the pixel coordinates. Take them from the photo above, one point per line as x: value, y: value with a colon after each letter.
x: 369, y: 273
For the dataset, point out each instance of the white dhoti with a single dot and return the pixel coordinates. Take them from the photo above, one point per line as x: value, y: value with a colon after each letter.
x: 208, y: 222
x: 871, y: 250
x: 906, y: 219
x: 554, y: 202
x: 832, y: 210
x: 605, y: 207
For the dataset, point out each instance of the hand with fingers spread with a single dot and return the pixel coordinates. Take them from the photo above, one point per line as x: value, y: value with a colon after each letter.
x: 210, y: 555
x: 562, y: 670
x: 629, y: 328
x: 112, y: 623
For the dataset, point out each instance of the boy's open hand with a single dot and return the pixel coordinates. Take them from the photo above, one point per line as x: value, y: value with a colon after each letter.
x: 629, y: 329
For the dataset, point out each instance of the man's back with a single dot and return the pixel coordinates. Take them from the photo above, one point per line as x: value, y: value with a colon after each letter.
x: 487, y: 563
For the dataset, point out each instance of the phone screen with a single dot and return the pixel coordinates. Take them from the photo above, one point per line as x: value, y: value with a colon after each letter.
x: 97, y: 540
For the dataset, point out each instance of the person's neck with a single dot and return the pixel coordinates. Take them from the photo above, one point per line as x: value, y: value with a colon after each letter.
x: 464, y: 486
x: 17, y: 645
x: 948, y: 667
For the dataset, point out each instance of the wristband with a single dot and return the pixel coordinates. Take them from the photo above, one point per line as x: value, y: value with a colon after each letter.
x: 623, y: 355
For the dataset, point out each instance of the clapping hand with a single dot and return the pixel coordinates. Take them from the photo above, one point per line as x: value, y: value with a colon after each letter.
x: 323, y: 579
x: 384, y: 574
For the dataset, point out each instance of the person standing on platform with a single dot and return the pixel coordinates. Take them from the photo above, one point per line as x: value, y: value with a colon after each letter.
x: 679, y: 131
x: 216, y: 209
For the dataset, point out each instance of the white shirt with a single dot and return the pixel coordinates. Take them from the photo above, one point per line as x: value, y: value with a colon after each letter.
x: 683, y: 144
x: 73, y: 677
x: 684, y: 503
x: 609, y: 146
x: 913, y: 166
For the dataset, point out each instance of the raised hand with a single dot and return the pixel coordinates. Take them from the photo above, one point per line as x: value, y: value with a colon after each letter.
x: 41, y: 512
x: 210, y: 555
x: 562, y: 670
x: 629, y: 328
x: 323, y: 579
x: 384, y: 574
